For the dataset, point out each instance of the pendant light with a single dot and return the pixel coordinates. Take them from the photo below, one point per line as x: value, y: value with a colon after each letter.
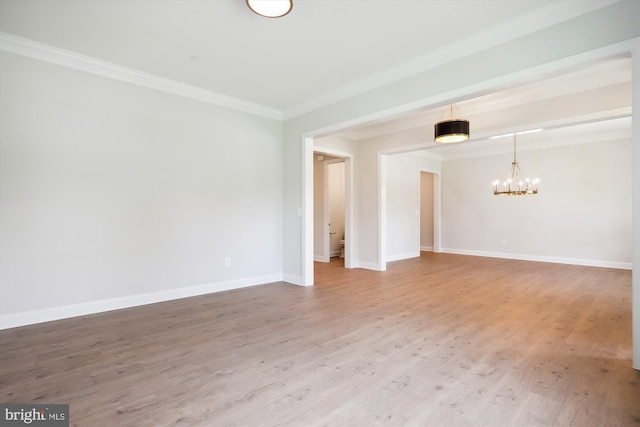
x: 451, y: 130
x: 270, y: 8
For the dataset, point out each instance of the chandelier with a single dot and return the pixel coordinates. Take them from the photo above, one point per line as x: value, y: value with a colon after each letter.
x: 514, y: 185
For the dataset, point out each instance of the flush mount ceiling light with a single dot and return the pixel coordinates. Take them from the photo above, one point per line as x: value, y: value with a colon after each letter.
x: 514, y: 185
x: 451, y: 130
x: 270, y: 8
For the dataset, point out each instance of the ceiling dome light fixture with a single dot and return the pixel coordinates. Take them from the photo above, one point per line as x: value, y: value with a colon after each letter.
x: 270, y: 8
x: 514, y: 185
x: 451, y: 130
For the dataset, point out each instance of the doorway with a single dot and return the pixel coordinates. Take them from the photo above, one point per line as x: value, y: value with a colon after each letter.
x: 429, y: 211
x: 330, y: 200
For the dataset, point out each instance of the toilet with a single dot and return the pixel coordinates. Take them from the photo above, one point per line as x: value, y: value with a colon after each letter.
x: 341, y: 248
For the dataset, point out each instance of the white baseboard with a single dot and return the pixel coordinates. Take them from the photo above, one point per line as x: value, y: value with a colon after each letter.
x: 320, y: 258
x: 400, y: 257
x: 367, y: 266
x: 294, y: 280
x: 63, y: 312
x: 426, y: 248
x: 335, y: 253
x: 542, y: 258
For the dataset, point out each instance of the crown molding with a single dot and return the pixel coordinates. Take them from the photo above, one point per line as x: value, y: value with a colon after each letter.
x: 43, y: 52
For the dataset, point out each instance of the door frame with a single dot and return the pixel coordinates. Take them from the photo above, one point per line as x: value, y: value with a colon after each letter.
x: 326, y: 214
x: 349, y: 234
x: 436, y: 206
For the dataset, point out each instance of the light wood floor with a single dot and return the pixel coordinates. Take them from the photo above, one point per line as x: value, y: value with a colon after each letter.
x: 440, y: 340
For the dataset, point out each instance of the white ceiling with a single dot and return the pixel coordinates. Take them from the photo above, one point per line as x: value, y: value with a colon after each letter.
x: 323, y: 51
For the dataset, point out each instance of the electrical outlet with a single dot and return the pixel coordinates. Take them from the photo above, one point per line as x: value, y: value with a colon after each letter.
x: 227, y: 261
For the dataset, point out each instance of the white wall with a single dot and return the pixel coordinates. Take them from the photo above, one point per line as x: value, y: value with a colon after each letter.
x: 401, y: 184
x: 426, y: 211
x: 404, y: 199
x: 581, y: 215
x: 403, y: 206
x: 335, y: 144
x: 113, y: 194
x: 318, y: 208
x: 366, y: 222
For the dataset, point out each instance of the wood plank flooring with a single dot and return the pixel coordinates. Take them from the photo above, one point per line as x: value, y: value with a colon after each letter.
x: 440, y: 340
